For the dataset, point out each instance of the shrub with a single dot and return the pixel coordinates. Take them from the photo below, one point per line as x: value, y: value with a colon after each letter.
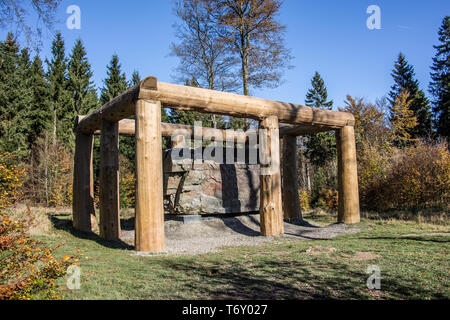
x: 305, y: 199
x: 50, y: 174
x: 127, y: 183
x: 28, y: 269
x: 417, y: 176
x: 10, y: 180
x: 329, y: 198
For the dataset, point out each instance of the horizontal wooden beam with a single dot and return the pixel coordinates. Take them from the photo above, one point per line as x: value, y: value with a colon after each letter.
x: 118, y: 108
x: 127, y: 127
x: 217, y: 102
x: 211, y: 101
x: 299, y: 130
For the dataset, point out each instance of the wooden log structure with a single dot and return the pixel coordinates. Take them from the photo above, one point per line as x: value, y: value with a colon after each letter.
x: 109, y: 181
x: 211, y: 101
x: 149, y: 178
x: 348, y: 202
x: 83, y: 184
x: 271, y: 217
x: 145, y: 100
x: 291, y: 200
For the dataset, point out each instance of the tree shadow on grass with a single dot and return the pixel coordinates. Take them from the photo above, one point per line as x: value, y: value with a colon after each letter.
x: 63, y: 222
x: 412, y: 238
x: 271, y: 279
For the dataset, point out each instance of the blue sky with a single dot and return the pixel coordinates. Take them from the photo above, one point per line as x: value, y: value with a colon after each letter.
x: 325, y: 35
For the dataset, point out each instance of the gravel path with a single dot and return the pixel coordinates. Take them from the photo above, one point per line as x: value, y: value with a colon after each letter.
x: 210, y: 234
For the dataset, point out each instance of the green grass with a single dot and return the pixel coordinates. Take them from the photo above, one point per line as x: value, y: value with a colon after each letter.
x: 413, y: 258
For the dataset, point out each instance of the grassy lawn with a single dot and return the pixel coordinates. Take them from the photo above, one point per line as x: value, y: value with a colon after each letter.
x: 413, y: 258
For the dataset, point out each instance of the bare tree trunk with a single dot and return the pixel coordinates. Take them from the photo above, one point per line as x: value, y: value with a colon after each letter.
x: 54, y: 126
x: 46, y: 169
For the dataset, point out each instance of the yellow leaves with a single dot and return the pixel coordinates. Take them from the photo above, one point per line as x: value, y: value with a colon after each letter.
x: 416, y: 176
x: 305, y: 199
x: 28, y: 270
x: 403, y: 120
x: 9, y: 180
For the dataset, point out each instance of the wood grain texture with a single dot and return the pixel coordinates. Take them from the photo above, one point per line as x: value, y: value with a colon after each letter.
x: 211, y: 101
x: 83, y: 184
x: 118, y: 108
x: 348, y: 206
x: 271, y: 210
x: 109, y: 181
x: 291, y: 200
x: 149, y: 178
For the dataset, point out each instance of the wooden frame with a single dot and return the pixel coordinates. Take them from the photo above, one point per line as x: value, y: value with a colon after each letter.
x: 144, y: 101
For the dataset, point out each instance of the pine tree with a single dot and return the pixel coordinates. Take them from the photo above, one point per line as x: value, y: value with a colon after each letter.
x: 135, y: 78
x: 321, y: 147
x: 25, y: 116
x: 403, y: 120
x: 41, y: 114
x: 403, y: 75
x: 82, y: 91
x: 440, y: 84
x: 14, y: 98
x: 115, y: 83
x: 317, y: 96
x: 60, y: 99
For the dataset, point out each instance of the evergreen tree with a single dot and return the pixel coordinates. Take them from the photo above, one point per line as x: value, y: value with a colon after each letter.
x: 60, y: 99
x: 25, y: 116
x: 14, y: 98
x: 321, y: 147
x: 135, y: 78
x: 317, y: 96
x: 115, y: 83
x: 403, y: 75
x: 40, y: 114
x: 82, y: 91
x: 440, y: 84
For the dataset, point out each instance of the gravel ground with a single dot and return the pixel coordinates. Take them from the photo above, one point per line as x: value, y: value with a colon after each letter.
x: 210, y: 234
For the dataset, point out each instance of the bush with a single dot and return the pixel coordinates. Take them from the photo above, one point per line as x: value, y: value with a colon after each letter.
x: 305, y: 199
x: 416, y: 177
x: 127, y: 184
x: 10, y: 180
x: 28, y: 269
x: 50, y: 174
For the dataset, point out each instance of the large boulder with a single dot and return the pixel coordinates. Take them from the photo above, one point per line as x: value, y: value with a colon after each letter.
x: 209, y: 187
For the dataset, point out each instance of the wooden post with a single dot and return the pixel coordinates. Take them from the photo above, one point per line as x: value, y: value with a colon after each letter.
x: 291, y: 200
x: 83, y: 184
x: 149, y: 178
x: 109, y: 180
x: 348, y: 208
x: 271, y: 211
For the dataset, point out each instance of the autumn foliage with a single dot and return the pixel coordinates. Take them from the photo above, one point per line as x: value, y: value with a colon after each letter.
x: 10, y: 180
x: 28, y: 269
